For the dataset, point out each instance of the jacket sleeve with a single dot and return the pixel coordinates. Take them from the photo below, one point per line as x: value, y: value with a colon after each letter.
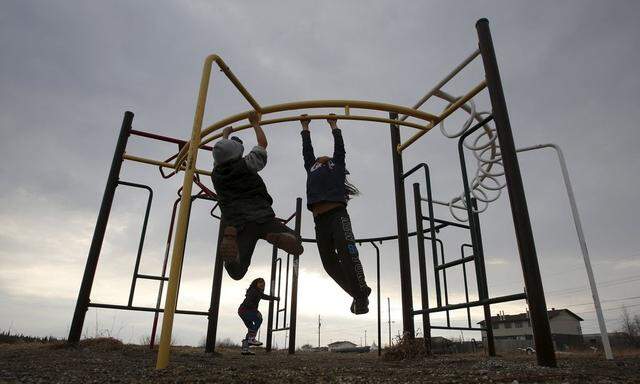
x: 267, y: 297
x: 338, y: 146
x: 307, y: 150
x: 256, y: 159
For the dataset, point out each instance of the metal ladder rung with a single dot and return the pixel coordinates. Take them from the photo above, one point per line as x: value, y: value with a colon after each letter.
x: 149, y: 277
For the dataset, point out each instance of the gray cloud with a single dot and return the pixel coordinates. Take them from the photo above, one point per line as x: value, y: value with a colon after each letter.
x: 69, y: 70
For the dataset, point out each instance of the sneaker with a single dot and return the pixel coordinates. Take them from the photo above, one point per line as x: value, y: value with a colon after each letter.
x: 229, y: 245
x: 245, y: 348
x: 254, y: 342
x: 286, y: 241
x: 360, y: 306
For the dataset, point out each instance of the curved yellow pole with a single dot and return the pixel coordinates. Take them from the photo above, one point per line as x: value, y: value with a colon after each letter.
x: 310, y: 104
x: 319, y: 117
x: 181, y: 228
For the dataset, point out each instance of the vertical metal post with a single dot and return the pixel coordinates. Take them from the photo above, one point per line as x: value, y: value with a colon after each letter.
x: 526, y: 245
x: 378, y: 296
x: 422, y: 265
x: 177, y: 254
x: 583, y: 244
x: 481, y: 273
x: 216, y: 288
x: 163, y: 274
x: 272, y: 292
x: 136, y: 268
x: 403, y: 236
x: 294, y: 283
x: 98, y: 233
x: 389, y: 313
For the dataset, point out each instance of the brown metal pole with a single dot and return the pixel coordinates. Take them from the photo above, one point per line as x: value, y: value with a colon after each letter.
x: 272, y: 292
x: 84, y: 294
x: 403, y: 238
x: 524, y: 235
x: 216, y: 288
x: 294, y: 283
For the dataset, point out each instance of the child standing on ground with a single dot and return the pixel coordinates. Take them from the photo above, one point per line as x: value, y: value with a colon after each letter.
x: 250, y: 315
x: 245, y: 202
x: 328, y: 192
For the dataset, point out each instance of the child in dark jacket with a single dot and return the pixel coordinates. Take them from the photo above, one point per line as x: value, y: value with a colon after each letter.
x: 327, y: 194
x: 245, y: 202
x: 248, y: 312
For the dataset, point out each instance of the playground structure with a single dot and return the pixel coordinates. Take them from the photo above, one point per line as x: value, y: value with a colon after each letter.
x: 500, y: 146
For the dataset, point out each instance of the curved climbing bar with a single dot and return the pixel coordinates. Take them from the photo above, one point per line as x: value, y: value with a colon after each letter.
x: 318, y: 117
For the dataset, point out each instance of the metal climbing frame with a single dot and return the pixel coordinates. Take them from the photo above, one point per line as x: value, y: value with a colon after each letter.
x: 526, y: 245
x: 185, y: 160
x: 84, y: 303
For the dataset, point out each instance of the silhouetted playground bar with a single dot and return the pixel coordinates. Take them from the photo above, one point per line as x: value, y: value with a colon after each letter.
x: 282, y: 317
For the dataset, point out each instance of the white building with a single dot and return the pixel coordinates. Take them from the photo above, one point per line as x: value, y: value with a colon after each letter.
x: 338, y: 345
x: 565, y: 328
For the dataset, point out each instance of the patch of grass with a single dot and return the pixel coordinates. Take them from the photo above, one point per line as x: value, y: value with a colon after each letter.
x: 406, y: 348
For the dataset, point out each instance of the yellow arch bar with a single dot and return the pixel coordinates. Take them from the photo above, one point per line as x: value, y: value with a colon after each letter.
x: 320, y: 117
x: 310, y: 104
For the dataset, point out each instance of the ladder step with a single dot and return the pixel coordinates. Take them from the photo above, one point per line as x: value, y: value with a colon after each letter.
x: 455, y: 262
x: 149, y: 277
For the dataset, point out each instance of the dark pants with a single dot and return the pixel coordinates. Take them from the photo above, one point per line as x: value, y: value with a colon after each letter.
x: 339, y: 253
x: 252, y: 318
x: 248, y: 235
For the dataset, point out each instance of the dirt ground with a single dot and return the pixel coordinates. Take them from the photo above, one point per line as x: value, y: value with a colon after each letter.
x: 112, y: 362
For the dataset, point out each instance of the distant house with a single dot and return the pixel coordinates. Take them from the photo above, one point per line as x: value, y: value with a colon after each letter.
x: 338, y: 345
x: 565, y: 328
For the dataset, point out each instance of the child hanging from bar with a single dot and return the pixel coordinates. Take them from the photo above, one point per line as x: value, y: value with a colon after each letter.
x: 328, y: 192
x: 245, y: 202
x: 250, y: 315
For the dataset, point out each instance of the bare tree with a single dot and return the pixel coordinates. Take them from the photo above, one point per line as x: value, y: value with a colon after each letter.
x: 631, y: 327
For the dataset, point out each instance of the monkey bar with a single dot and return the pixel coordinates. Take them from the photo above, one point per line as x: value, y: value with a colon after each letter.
x: 185, y: 160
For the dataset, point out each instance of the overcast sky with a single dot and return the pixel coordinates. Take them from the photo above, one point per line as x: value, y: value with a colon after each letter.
x: 69, y: 70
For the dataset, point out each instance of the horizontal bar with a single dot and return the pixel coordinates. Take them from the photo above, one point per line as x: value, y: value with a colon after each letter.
x: 443, y: 203
x: 310, y: 104
x: 381, y: 238
x: 167, y: 139
x: 452, y: 223
x: 451, y: 307
x: 456, y: 328
x: 444, y: 81
x: 145, y: 309
x: 452, y: 108
x: 280, y: 329
x: 455, y: 262
x: 149, y: 277
x: 320, y: 117
x: 160, y: 163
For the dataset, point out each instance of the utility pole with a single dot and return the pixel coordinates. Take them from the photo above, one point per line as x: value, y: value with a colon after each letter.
x: 365, y: 337
x: 319, y: 324
x: 389, y: 310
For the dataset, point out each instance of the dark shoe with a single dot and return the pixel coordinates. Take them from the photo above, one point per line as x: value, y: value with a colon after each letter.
x: 229, y: 245
x: 360, y: 305
x: 286, y: 241
x: 245, y: 348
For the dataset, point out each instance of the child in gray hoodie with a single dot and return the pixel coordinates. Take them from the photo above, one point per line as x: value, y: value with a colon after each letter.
x: 245, y: 202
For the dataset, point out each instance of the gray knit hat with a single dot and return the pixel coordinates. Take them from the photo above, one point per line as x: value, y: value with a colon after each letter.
x: 226, y: 150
